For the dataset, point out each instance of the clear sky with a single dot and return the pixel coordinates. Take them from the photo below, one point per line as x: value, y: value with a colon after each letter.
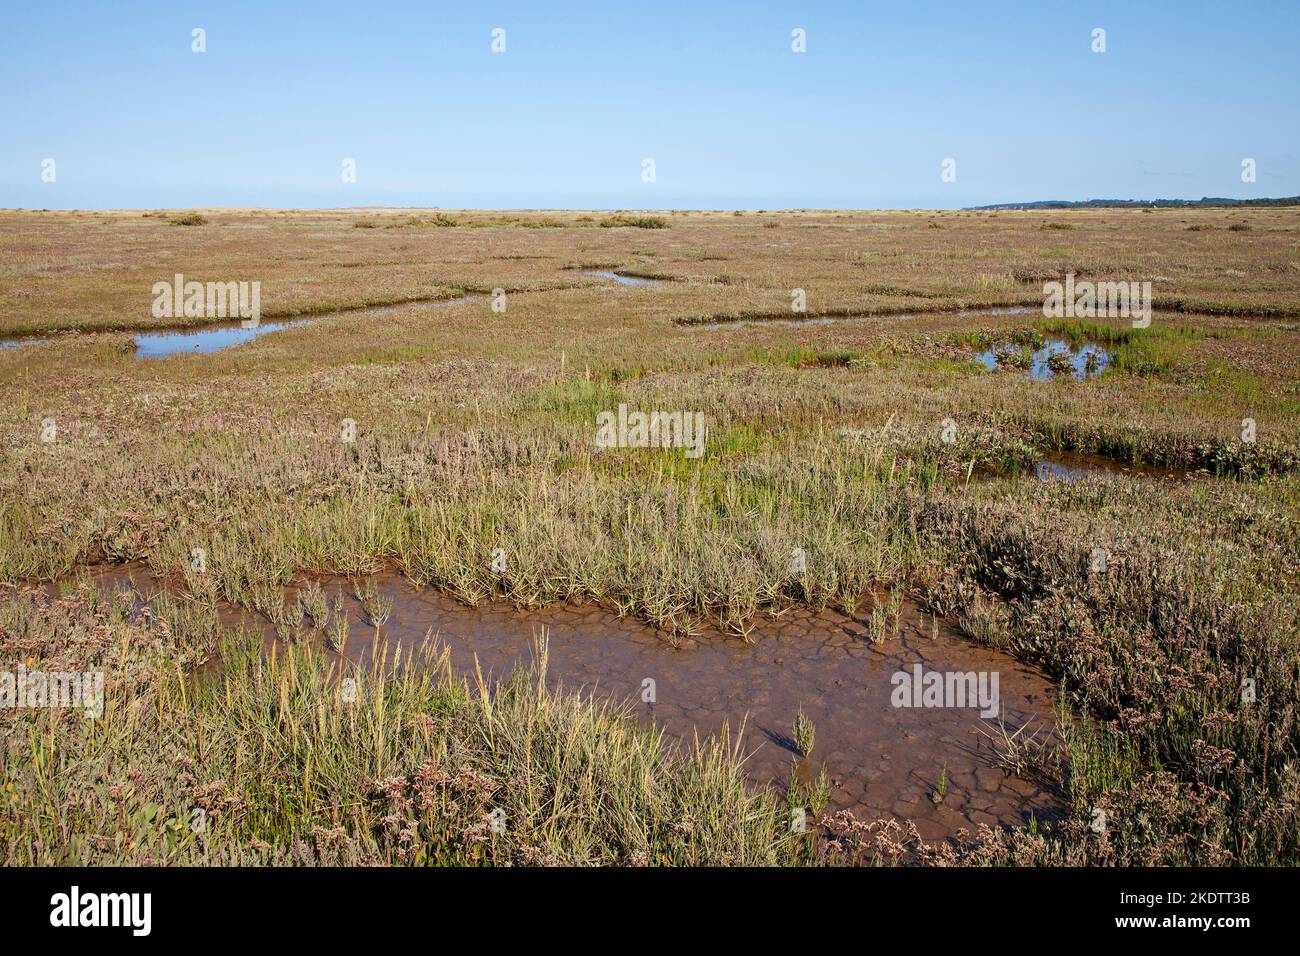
x: 584, y: 92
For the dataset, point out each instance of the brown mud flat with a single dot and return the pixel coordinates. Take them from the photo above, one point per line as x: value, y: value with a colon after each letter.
x: 880, y: 760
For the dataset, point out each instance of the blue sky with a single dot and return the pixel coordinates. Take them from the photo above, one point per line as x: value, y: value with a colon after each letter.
x: 585, y: 91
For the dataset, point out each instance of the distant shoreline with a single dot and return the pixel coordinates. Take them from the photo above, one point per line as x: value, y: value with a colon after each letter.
x: 1123, y: 203
x: 1042, y: 204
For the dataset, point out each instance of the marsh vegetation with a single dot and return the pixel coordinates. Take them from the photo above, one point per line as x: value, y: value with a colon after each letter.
x: 472, y: 473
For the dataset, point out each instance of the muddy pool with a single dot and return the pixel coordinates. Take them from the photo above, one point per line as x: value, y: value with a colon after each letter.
x: 1081, y: 360
x: 880, y: 759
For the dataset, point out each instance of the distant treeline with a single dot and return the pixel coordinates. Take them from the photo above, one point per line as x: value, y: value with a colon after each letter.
x: 1105, y: 203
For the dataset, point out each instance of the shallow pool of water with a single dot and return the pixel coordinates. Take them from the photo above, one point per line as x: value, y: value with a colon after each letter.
x: 20, y: 342
x: 881, y: 760
x: 1075, y: 466
x: 619, y: 278
x: 163, y: 344
x: 213, y: 339
x: 1086, y: 359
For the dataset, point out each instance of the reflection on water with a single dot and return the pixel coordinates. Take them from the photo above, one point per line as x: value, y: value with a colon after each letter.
x: 1047, y: 470
x: 1056, y: 357
x: 163, y: 344
x: 621, y: 279
x: 1075, y: 466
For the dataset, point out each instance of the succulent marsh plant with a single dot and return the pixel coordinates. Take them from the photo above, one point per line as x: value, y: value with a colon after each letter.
x: 804, y: 733
x: 376, y: 605
x: 337, y: 634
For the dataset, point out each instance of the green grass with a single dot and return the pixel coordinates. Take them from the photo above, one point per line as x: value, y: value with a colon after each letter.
x: 1150, y: 351
x: 412, y: 768
x: 800, y: 357
x: 578, y: 399
x: 636, y: 222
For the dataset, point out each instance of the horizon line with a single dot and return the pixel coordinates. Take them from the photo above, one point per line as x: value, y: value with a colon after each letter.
x: 1056, y: 205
